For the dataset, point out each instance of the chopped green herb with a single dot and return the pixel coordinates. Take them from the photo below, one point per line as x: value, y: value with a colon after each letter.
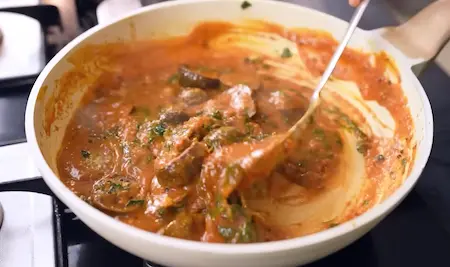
x: 344, y: 121
x: 159, y: 129
x: 249, y: 128
x: 135, y: 202
x: 404, y: 161
x: 366, y: 202
x: 114, y: 187
x: 168, y: 146
x: 286, y: 53
x: 319, y: 133
x: 247, y: 233
x: 173, y: 79
x: 85, y: 154
x: 265, y: 66
x: 208, y: 127
x: 245, y: 5
x: 113, y: 132
x: 136, y: 141
x: 233, y: 175
x: 162, y: 211
x: 380, y: 157
x: 259, y: 137
x: 217, y: 115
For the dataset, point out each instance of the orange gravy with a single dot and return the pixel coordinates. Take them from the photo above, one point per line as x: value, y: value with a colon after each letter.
x: 148, y: 143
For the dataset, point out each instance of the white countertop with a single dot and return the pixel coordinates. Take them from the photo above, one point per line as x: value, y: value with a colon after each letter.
x: 22, y: 51
x: 26, y: 236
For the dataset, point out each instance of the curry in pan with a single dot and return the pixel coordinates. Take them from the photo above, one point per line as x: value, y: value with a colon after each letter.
x: 157, y: 139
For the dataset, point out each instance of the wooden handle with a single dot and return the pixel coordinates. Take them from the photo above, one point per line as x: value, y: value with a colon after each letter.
x: 423, y: 36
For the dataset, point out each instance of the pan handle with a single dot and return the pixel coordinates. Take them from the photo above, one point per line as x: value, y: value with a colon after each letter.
x: 32, y: 185
x: 423, y: 36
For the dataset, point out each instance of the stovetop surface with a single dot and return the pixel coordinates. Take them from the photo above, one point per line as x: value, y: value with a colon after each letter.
x: 410, y: 236
x: 417, y: 233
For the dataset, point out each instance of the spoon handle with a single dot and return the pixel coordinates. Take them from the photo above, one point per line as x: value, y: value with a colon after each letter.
x: 296, y: 130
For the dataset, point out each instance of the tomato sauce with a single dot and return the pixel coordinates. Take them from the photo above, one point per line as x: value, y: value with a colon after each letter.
x: 155, y: 140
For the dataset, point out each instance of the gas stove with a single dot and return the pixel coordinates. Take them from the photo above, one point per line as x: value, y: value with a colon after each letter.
x: 38, y: 230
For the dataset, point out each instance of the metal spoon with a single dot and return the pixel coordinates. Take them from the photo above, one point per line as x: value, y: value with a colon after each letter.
x: 262, y: 161
x: 315, y: 98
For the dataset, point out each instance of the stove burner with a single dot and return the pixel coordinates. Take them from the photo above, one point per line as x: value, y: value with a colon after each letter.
x: 1, y: 215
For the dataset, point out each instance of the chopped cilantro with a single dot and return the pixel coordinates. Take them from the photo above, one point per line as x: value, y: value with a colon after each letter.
x: 159, y: 129
x: 404, y: 161
x: 113, y: 132
x: 366, y: 202
x: 247, y: 233
x: 245, y: 5
x: 173, y: 79
x: 217, y: 115
x: 319, y: 133
x: 114, y: 187
x: 259, y: 137
x: 162, y: 211
x: 208, y: 127
x: 135, y: 202
x: 85, y: 154
x: 286, y: 53
x: 233, y: 175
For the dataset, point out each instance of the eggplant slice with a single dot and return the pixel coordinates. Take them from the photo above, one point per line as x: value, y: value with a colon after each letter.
x: 180, y: 170
x: 118, y: 194
x: 190, y: 78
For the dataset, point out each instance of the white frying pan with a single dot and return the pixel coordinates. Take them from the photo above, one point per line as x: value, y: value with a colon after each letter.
x: 410, y: 44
